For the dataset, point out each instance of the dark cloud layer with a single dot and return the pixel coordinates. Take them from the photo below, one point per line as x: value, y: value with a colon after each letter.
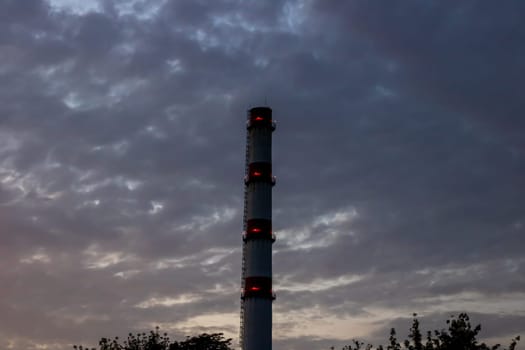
x: 399, y: 154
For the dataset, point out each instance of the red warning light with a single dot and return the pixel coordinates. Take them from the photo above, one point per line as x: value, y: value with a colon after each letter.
x: 260, y: 117
x: 258, y: 286
x: 259, y: 229
x: 260, y: 172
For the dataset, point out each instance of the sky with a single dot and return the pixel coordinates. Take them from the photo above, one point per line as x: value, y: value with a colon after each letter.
x: 399, y: 155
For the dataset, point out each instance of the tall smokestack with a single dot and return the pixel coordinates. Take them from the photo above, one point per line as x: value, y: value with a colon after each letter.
x: 257, y: 294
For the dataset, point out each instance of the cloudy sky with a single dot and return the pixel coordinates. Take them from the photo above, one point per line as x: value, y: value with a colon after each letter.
x: 399, y: 152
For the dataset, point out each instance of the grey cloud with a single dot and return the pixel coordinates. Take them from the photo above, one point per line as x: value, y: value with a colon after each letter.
x: 461, y: 56
x: 125, y: 135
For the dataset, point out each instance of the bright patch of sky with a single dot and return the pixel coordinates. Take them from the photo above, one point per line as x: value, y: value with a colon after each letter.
x: 156, y: 207
x: 505, y: 303
x: 216, y: 216
x: 316, y: 285
x: 76, y: 6
x: 39, y: 257
x: 142, y: 9
x: 174, y: 65
x: 219, y: 322
x: 96, y: 258
x: 127, y: 274
x: 24, y: 184
x: 118, y: 181
x: 155, y: 132
x: 116, y: 93
x: 322, y: 232
x: 168, y: 301
x: 295, y: 15
x: 204, y: 258
x: 227, y: 323
x: 317, y: 322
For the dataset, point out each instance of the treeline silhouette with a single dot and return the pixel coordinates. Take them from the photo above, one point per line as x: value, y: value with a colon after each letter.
x: 460, y: 335
x: 156, y: 341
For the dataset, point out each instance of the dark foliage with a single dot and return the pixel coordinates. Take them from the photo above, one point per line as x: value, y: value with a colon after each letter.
x: 460, y: 335
x: 156, y: 341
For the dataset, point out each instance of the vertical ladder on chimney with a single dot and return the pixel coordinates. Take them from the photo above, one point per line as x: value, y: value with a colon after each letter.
x: 244, y: 220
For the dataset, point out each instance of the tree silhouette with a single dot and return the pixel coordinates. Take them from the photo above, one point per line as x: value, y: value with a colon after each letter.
x: 156, y: 341
x: 460, y: 335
